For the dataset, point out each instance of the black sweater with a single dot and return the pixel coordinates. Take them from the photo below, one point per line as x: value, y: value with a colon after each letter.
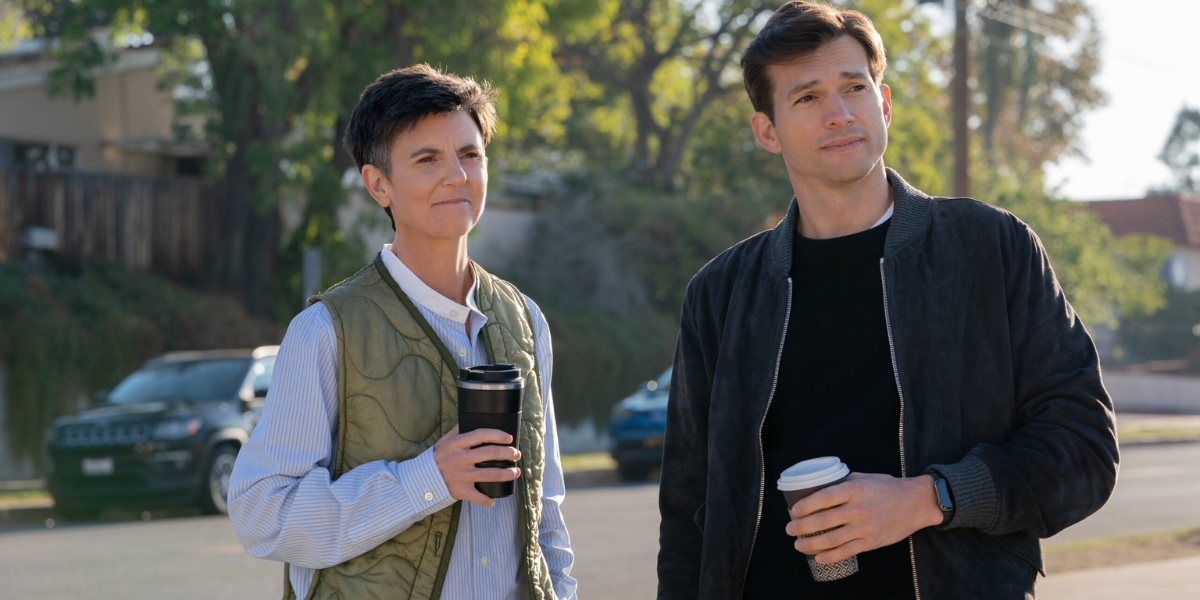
x: 836, y: 396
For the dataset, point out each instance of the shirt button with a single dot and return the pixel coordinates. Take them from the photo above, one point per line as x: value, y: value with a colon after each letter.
x: 462, y: 352
x: 483, y: 561
x: 429, y: 496
x: 454, y: 313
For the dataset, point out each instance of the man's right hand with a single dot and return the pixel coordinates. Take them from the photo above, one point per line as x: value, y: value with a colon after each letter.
x: 456, y: 457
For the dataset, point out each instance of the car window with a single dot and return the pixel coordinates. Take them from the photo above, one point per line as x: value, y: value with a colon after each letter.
x: 195, y: 380
x: 261, y: 374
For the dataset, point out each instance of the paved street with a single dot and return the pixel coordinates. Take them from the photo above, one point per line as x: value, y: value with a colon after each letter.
x: 1158, y: 490
x: 1177, y: 579
x: 614, y: 530
x: 187, y: 558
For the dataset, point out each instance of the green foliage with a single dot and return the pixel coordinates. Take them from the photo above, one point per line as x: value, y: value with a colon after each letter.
x: 1036, y: 80
x: 644, y: 94
x: 1181, y: 153
x: 724, y: 187
x: 601, y: 357
x: 920, y: 137
x: 64, y: 336
x: 1106, y: 278
x: 1166, y: 335
x: 14, y: 27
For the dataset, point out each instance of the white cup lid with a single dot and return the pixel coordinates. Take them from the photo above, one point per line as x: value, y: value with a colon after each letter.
x: 812, y: 473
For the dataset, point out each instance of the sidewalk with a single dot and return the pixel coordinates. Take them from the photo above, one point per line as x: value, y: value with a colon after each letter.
x: 1176, y: 579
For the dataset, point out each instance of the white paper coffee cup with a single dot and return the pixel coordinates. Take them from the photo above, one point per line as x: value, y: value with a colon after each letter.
x: 804, y: 479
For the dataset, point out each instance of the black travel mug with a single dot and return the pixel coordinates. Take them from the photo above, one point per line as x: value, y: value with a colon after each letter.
x: 489, y: 397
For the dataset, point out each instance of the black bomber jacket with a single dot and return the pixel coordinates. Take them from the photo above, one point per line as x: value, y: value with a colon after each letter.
x: 1000, y: 393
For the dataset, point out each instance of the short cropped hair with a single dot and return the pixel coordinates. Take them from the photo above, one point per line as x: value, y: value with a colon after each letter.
x: 796, y: 30
x: 399, y: 99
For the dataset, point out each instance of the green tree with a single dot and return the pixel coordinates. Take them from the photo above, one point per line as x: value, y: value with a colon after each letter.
x: 1106, y: 278
x: 1036, y: 64
x: 278, y: 81
x: 1181, y: 153
x: 658, y: 93
x: 661, y: 64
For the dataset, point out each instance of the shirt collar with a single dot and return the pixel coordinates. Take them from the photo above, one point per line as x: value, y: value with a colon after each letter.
x: 887, y: 215
x: 424, y: 295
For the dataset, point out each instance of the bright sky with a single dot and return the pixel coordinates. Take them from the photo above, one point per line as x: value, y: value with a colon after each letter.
x: 1149, y: 71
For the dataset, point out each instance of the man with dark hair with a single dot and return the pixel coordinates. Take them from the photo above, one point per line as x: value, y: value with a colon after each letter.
x: 355, y: 474
x: 923, y: 341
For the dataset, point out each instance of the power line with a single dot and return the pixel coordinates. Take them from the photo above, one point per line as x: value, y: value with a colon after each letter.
x: 1023, y: 18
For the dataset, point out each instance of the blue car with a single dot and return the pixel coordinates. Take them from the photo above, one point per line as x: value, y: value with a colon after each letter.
x: 637, y: 425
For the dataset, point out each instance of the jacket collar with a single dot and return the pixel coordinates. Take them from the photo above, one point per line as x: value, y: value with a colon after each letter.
x: 910, y: 218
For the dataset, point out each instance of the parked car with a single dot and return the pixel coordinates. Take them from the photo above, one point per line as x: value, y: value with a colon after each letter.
x: 168, y: 434
x: 637, y: 426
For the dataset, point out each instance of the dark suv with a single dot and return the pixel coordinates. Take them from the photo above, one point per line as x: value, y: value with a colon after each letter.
x: 166, y: 435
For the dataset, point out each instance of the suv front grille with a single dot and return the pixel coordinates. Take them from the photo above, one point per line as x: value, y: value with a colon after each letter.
x: 107, y: 434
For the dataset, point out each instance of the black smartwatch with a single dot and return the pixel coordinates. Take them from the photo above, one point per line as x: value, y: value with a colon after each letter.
x: 944, y: 499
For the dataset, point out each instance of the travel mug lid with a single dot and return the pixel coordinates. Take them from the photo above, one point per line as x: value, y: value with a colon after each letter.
x: 496, y: 372
x: 500, y: 376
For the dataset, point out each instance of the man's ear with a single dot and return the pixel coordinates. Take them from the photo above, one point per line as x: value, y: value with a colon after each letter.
x: 377, y: 185
x: 764, y: 132
x: 886, y: 92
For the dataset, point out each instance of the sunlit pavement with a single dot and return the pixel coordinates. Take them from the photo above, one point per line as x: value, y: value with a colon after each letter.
x: 1158, y: 489
x: 1177, y: 579
x: 181, y: 558
x: 614, y: 532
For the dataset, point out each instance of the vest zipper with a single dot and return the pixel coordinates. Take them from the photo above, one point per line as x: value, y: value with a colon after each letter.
x: 762, y: 461
x: 437, y: 542
x: 887, y: 317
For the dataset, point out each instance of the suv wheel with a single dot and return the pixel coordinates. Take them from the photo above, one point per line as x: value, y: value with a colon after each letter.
x: 215, y: 491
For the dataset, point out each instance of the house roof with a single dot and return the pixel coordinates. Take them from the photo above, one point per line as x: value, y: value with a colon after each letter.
x: 1172, y: 216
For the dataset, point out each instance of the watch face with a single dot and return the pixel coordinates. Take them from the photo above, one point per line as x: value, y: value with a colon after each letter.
x: 943, y: 495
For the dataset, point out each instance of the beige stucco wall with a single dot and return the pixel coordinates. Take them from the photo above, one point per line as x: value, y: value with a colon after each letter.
x: 127, y: 105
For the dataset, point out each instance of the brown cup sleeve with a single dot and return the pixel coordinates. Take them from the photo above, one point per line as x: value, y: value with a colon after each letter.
x: 791, y: 497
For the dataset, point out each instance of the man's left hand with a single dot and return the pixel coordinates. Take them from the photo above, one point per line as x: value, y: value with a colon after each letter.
x: 869, y: 511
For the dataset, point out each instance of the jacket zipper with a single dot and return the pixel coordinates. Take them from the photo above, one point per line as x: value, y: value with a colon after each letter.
x: 437, y: 542
x: 762, y: 461
x: 912, y: 554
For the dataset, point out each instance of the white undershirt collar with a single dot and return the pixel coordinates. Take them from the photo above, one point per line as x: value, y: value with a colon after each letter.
x: 424, y: 295
x: 887, y: 215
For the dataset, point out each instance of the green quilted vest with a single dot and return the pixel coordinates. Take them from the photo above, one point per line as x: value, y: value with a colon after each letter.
x: 397, y: 397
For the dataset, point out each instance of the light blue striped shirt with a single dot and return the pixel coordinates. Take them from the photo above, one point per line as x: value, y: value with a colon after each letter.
x: 285, y: 507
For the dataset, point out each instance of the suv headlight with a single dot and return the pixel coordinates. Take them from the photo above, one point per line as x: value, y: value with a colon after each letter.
x: 177, y: 429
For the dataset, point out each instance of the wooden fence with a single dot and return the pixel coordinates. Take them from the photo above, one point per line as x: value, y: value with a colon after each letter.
x: 165, y: 225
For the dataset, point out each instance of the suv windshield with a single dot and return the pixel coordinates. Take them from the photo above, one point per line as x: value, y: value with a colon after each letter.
x: 195, y: 380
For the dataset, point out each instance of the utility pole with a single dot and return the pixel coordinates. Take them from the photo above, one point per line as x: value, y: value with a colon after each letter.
x: 962, y: 100
x: 1003, y: 11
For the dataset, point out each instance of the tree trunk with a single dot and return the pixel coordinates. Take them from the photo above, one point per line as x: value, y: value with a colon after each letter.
x: 247, y: 247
